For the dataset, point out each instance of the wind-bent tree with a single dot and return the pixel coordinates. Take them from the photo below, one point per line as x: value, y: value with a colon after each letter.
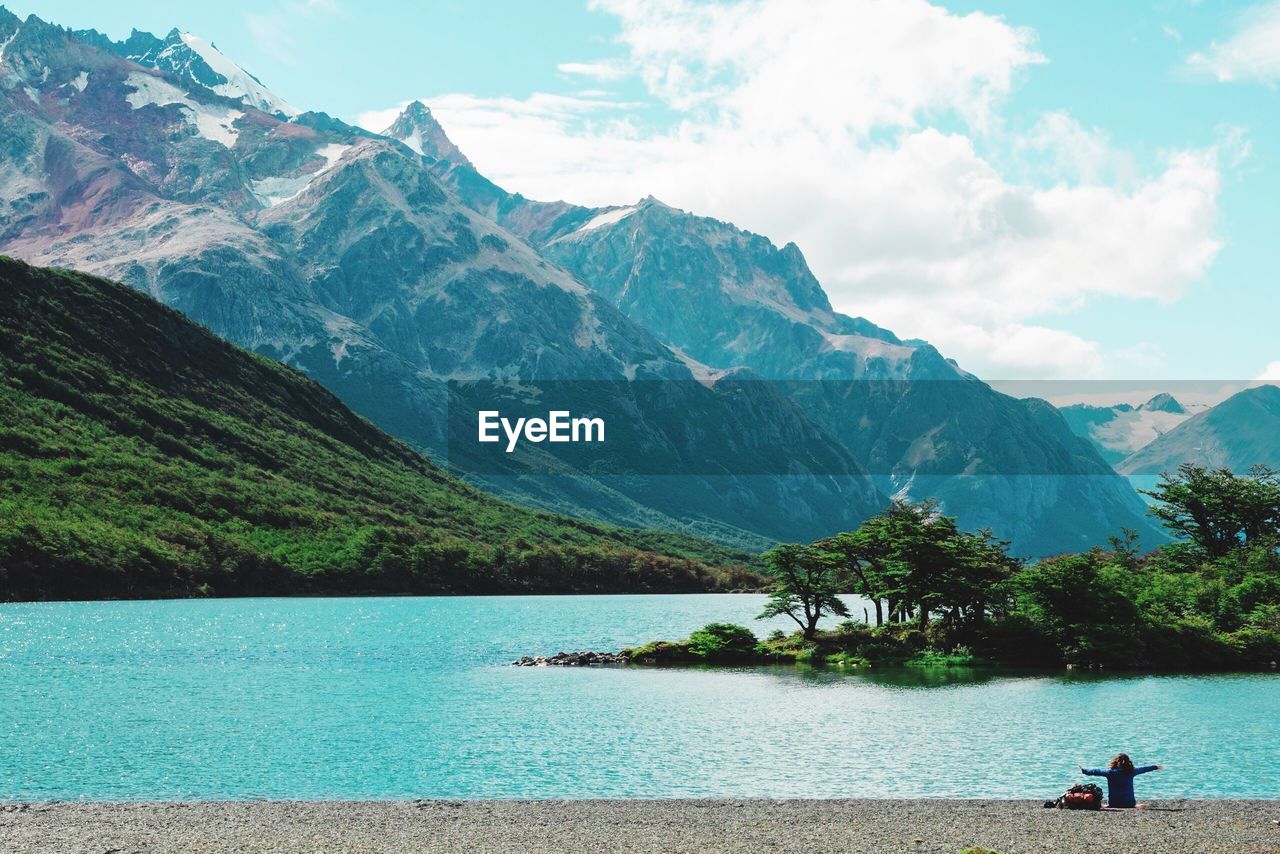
x: 980, y: 563
x: 918, y: 560
x: 863, y: 557
x: 912, y: 545
x: 806, y: 586
x: 1217, y: 510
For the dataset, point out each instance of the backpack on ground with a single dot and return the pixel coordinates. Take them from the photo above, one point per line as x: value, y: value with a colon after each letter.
x: 1081, y: 796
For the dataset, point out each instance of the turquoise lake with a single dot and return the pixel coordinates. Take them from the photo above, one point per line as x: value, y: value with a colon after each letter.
x: 413, y: 698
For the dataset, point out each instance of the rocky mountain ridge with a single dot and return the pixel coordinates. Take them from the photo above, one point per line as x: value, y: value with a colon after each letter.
x: 340, y: 252
x: 731, y: 300
x: 386, y: 268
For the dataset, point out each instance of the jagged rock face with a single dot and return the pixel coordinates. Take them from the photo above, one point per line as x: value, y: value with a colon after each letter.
x: 419, y: 130
x: 730, y: 299
x: 1241, y: 432
x: 158, y: 163
x: 194, y: 60
x: 380, y: 241
x: 1120, y: 431
x: 535, y: 221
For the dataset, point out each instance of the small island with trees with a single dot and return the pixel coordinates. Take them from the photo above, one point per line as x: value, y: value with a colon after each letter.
x: 939, y: 595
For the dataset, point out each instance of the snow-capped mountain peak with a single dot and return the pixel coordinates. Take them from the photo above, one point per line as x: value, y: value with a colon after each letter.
x: 194, y: 58
x: 1164, y: 402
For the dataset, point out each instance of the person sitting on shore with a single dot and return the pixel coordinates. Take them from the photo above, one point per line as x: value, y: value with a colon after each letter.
x: 1120, y: 773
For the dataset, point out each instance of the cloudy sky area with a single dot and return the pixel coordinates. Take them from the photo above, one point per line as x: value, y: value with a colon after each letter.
x: 1041, y: 190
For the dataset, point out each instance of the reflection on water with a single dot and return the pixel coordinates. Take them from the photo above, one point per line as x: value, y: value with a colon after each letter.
x: 889, y: 677
x: 929, y: 677
x: 405, y: 698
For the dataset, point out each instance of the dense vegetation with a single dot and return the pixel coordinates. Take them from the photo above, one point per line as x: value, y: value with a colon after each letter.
x: 141, y: 456
x: 945, y: 596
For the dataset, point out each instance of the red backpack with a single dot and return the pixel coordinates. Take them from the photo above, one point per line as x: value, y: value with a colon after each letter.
x: 1081, y: 796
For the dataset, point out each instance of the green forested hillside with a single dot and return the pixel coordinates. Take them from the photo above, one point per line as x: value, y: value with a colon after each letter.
x: 141, y: 456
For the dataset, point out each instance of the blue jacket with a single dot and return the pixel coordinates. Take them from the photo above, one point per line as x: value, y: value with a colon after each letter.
x: 1119, y: 783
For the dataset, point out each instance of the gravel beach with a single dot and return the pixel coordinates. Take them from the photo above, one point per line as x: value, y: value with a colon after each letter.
x: 668, y: 826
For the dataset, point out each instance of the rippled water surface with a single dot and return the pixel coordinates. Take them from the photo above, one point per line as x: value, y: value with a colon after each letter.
x: 408, y: 698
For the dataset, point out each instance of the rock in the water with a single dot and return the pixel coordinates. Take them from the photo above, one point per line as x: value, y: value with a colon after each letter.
x: 572, y: 659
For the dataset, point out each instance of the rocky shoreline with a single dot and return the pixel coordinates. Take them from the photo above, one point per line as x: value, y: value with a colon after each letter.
x: 586, y: 658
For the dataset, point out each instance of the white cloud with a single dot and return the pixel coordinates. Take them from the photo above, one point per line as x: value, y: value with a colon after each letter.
x: 830, y: 65
x: 1252, y: 52
x: 1058, y: 148
x: 1271, y: 373
x: 857, y: 129
x: 603, y: 71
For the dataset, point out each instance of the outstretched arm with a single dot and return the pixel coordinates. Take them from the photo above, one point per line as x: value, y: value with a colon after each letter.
x: 1093, y: 772
x: 1143, y: 769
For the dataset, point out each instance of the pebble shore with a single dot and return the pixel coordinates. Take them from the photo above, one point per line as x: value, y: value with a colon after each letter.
x: 635, y: 826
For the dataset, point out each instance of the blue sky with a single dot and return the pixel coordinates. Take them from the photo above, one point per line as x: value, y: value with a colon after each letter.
x: 1076, y: 192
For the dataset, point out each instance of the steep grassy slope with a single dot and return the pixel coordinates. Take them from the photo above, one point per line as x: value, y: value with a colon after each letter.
x: 142, y: 456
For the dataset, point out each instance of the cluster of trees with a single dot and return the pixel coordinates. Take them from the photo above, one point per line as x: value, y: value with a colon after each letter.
x: 1210, y: 598
x: 911, y: 561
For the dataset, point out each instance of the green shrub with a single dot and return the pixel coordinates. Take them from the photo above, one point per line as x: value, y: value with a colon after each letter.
x: 1256, y: 645
x: 811, y: 654
x: 723, y: 642
x: 659, y: 652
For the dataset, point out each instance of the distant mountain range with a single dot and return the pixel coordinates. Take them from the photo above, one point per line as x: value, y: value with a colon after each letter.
x: 1162, y: 434
x: 1119, y: 431
x: 1238, y: 433
x: 167, y: 462
x: 385, y: 266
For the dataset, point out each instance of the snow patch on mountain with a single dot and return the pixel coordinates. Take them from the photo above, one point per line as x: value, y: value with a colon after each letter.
x: 1121, y: 430
x: 606, y: 218
x: 7, y: 42
x: 213, y: 122
x: 331, y: 153
x: 414, y: 141
x: 1132, y: 431
x: 869, y: 348
x: 216, y: 123
x: 81, y: 81
x: 704, y: 374
x: 278, y: 190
